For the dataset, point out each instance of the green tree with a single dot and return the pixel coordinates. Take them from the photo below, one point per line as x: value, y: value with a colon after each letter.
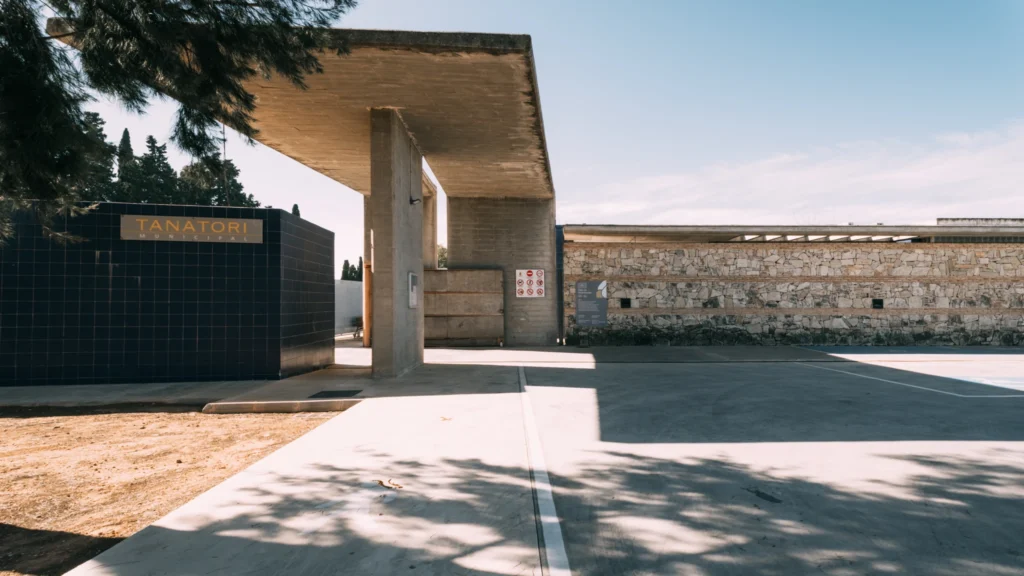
x: 295, y: 210
x: 125, y: 154
x: 99, y: 181
x: 198, y: 52
x: 359, y: 271
x: 202, y: 183
x: 346, y: 271
x: 45, y: 142
x: 442, y: 256
x: 150, y: 179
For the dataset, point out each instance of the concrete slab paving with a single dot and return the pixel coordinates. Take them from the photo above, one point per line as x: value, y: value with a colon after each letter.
x: 304, y: 393
x: 1001, y: 367
x: 401, y: 483
x: 777, y: 468
x: 661, y: 462
x: 625, y: 355
x: 170, y: 393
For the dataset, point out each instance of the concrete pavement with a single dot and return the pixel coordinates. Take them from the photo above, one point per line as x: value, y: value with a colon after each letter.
x: 782, y: 468
x: 411, y: 484
x: 171, y: 393
x: 809, y: 465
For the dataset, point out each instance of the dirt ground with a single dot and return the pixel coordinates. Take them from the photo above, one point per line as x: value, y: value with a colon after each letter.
x: 74, y: 483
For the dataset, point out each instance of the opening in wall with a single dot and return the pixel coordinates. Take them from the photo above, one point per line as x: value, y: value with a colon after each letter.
x: 625, y: 302
x: 877, y: 303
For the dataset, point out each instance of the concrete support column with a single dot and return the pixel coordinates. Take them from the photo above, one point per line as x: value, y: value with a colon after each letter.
x: 430, y: 231
x: 367, y: 231
x: 396, y: 210
x: 509, y: 234
x: 367, y: 272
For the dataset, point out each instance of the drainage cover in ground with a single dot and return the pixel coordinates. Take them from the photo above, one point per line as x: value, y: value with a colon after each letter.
x: 335, y: 393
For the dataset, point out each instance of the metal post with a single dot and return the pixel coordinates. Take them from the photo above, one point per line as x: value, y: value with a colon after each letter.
x: 367, y: 303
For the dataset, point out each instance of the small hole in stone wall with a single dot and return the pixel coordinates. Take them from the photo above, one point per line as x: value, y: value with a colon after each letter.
x: 625, y: 302
x: 877, y: 303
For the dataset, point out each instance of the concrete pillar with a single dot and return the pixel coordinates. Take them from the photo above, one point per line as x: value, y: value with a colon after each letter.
x: 367, y: 273
x: 430, y: 232
x: 510, y: 234
x: 396, y: 210
x: 367, y: 231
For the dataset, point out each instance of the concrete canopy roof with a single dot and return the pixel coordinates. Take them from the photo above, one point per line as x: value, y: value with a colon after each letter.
x: 702, y: 234
x: 470, y: 102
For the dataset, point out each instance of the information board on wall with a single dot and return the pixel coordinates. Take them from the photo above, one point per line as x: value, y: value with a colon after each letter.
x: 530, y: 283
x: 414, y: 290
x: 591, y: 304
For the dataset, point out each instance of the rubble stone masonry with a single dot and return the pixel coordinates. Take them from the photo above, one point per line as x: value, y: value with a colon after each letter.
x: 803, y: 293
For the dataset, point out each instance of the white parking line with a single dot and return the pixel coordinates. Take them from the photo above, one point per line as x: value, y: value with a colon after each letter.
x: 809, y: 365
x: 551, y: 531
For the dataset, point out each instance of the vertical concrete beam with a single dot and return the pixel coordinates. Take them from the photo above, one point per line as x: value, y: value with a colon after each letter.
x: 396, y: 208
x: 509, y: 234
x: 367, y: 231
x: 367, y: 272
x: 430, y: 232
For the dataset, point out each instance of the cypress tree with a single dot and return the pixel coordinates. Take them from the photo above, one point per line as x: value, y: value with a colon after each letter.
x: 125, y: 154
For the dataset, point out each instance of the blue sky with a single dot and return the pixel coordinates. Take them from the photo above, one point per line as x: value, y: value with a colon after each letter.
x: 730, y: 111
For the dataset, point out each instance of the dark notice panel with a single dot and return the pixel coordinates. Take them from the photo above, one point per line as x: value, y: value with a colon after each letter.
x: 108, y: 310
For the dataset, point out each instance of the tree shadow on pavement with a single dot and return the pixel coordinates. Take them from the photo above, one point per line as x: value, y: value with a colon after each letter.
x: 621, y: 514
x: 634, y: 514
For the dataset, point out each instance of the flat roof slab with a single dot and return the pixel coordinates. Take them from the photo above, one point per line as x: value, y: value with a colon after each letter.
x: 470, y: 102
x: 699, y: 233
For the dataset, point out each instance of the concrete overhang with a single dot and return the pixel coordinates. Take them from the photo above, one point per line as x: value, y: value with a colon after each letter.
x: 701, y: 234
x: 470, y: 102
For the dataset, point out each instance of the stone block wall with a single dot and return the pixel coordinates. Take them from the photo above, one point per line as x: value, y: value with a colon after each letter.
x: 806, y: 293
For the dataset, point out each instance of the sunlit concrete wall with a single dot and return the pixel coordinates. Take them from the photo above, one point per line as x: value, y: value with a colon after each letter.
x: 397, y: 223
x: 509, y: 234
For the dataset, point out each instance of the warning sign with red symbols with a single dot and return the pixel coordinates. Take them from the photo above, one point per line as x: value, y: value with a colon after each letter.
x: 530, y: 283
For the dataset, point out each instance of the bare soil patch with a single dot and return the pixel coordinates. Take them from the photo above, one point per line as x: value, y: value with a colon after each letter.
x: 74, y: 482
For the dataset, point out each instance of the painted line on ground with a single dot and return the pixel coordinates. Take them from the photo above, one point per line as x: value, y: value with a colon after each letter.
x: 809, y: 365
x: 552, y: 545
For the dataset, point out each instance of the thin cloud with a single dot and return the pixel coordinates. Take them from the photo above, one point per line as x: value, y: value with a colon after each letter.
x: 955, y: 174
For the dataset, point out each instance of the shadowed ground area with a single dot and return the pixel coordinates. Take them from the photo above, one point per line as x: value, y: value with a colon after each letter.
x: 663, y: 461
x: 783, y: 468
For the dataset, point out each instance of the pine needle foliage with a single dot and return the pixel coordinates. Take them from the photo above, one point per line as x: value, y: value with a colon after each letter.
x: 200, y: 52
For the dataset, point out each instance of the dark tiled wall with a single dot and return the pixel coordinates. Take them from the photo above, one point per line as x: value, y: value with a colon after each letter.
x: 307, y: 295
x: 112, y: 310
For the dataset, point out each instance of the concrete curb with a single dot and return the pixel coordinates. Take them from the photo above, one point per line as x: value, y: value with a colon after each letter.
x: 280, y: 406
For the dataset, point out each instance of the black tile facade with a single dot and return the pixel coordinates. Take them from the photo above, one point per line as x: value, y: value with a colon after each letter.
x: 107, y: 310
x: 307, y: 295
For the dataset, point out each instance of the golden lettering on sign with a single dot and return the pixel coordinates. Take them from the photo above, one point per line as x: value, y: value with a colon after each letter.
x: 135, y: 227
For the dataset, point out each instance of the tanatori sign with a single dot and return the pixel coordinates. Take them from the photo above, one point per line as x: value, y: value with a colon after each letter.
x: 182, y: 229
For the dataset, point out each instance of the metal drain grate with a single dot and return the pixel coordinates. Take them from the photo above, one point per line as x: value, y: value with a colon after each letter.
x: 335, y: 394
